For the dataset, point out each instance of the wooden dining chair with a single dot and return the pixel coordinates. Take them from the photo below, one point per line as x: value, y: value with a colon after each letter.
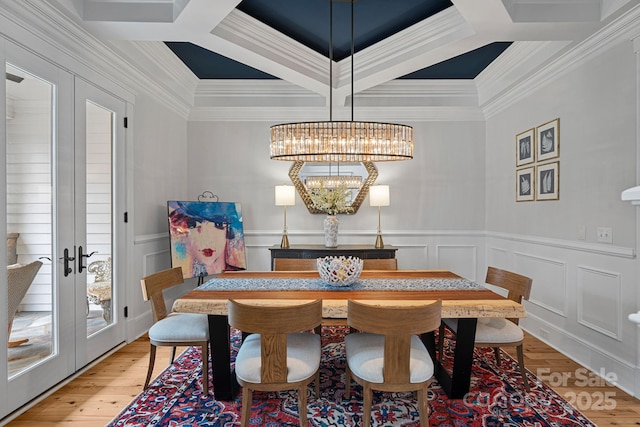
x: 388, y: 355
x: 279, y: 354
x: 380, y: 264
x: 294, y: 264
x: 174, y: 329
x: 498, y: 332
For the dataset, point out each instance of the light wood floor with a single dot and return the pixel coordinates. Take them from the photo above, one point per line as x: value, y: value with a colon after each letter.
x: 99, y: 394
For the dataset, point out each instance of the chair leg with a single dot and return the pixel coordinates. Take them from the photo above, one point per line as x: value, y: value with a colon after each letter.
x: 172, y: 356
x: 496, y: 351
x: 523, y: 371
x: 367, y: 397
x: 152, y: 361
x: 423, y: 407
x: 247, y: 398
x: 347, y: 382
x: 440, y: 341
x: 205, y: 369
x: 317, y: 383
x: 302, y: 405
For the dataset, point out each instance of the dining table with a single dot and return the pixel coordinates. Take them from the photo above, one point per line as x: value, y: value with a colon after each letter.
x: 461, y: 298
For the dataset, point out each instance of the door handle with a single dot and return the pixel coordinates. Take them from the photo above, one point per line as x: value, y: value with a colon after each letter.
x: 80, y: 256
x: 67, y: 270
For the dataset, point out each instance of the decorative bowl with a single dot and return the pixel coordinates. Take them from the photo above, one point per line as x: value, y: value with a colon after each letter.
x: 339, y: 270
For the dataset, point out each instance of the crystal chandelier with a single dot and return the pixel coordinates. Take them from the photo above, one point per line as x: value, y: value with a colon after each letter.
x: 341, y: 141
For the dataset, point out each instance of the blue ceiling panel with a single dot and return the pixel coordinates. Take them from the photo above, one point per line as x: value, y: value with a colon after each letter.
x: 465, y: 66
x: 210, y: 65
x: 308, y: 22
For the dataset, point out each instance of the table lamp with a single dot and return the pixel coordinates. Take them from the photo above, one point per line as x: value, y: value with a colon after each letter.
x: 379, y: 196
x: 285, y: 196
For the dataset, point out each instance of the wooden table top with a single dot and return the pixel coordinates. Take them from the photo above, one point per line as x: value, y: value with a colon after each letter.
x: 455, y: 303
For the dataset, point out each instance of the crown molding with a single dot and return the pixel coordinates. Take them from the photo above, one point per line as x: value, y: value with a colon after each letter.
x: 158, y: 63
x: 520, y: 59
x: 421, y: 93
x: 271, y: 52
x: 409, y: 50
x: 297, y: 114
x: 623, y: 29
x: 74, y: 49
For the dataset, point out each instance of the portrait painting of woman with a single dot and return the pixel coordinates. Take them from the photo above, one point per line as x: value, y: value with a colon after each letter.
x: 206, y: 237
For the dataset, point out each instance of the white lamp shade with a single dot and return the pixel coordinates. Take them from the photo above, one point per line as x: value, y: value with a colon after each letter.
x: 285, y: 195
x: 379, y: 195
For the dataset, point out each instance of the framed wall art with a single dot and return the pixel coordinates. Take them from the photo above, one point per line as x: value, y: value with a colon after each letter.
x: 548, y: 178
x: 525, y: 147
x: 206, y: 237
x: 548, y: 136
x: 525, y: 184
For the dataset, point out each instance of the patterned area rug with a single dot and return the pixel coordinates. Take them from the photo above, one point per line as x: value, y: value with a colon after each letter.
x: 496, y: 398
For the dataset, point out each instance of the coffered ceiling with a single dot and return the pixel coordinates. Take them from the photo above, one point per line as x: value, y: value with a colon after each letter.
x: 494, y: 42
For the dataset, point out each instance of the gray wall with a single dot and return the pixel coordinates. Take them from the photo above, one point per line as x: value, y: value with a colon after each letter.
x: 442, y: 188
x: 596, y: 104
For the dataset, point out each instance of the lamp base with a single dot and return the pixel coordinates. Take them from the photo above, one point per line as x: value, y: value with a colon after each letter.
x: 285, y: 242
x: 379, y: 243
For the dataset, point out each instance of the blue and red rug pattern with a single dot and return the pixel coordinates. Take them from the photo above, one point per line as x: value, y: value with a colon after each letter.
x: 497, y: 398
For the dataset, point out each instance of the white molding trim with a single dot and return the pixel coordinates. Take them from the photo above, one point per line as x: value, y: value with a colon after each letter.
x: 292, y: 114
x: 596, y: 248
x: 600, y: 249
x: 150, y: 238
x: 585, y: 348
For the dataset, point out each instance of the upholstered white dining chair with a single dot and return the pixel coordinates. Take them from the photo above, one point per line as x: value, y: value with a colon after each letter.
x: 280, y: 353
x: 19, y: 279
x: 498, y: 332
x: 388, y: 355
x: 174, y: 329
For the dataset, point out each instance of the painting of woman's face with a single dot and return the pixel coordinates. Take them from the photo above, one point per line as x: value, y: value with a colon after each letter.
x: 207, y: 242
x: 206, y: 237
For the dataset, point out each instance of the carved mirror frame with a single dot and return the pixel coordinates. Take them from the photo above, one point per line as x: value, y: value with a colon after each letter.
x: 294, y: 175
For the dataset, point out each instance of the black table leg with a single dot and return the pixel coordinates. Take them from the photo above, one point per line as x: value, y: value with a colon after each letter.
x: 457, y: 384
x: 225, y: 385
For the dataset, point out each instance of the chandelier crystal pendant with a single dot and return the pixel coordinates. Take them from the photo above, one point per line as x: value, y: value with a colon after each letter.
x: 341, y: 141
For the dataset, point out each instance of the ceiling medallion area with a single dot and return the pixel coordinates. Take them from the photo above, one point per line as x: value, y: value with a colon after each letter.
x: 303, y: 179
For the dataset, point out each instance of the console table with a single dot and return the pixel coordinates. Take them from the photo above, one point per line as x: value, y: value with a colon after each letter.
x: 318, y: 251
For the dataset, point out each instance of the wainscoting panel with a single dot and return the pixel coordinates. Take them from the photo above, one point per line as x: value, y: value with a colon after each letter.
x: 581, y: 296
x: 412, y: 257
x: 599, y: 300
x: 460, y: 259
x: 549, y: 281
x: 498, y: 257
x: 155, y: 261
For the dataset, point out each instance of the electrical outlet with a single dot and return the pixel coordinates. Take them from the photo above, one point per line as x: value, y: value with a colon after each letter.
x: 605, y: 235
x: 544, y: 334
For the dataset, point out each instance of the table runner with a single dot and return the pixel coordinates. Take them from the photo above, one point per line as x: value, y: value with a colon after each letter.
x: 363, y: 284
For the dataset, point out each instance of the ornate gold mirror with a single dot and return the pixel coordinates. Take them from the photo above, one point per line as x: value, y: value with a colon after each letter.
x: 358, y: 176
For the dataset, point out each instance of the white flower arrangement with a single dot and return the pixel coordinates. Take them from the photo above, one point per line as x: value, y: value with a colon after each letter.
x: 331, y: 201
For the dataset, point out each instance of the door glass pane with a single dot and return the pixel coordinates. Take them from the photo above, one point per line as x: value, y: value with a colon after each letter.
x: 29, y: 218
x: 99, y: 143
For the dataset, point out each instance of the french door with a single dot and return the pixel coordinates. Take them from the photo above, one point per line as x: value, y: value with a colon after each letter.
x: 64, y: 147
